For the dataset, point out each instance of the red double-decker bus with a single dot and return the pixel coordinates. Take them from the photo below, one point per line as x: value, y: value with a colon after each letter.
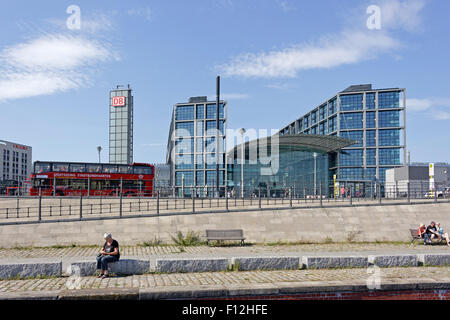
x: 94, y: 179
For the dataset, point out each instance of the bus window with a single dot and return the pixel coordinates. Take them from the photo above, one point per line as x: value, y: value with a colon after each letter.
x: 41, y: 183
x: 61, y: 167
x: 125, y: 169
x: 111, y: 184
x: 133, y: 184
x: 61, y: 182
x: 96, y: 168
x: 41, y: 167
x: 109, y: 168
x: 143, y: 170
x: 96, y: 184
x: 77, y: 167
x: 77, y: 184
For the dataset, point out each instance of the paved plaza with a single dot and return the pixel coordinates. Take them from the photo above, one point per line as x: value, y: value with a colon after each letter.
x: 247, y: 280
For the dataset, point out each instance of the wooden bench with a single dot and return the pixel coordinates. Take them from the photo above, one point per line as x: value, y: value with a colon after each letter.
x: 415, y: 237
x: 220, y: 235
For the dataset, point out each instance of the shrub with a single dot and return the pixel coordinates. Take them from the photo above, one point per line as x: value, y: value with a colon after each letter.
x: 190, y: 239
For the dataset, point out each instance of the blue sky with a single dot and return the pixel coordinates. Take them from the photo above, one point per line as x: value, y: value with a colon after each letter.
x: 277, y: 59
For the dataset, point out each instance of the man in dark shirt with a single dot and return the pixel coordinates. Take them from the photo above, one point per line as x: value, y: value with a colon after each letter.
x: 109, y: 253
x: 432, y: 231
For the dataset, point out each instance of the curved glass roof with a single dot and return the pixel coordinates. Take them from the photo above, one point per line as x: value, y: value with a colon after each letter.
x: 303, y: 142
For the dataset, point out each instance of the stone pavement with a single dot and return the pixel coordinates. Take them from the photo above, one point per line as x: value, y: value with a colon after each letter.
x: 185, y: 285
x: 168, y: 251
x: 246, y: 281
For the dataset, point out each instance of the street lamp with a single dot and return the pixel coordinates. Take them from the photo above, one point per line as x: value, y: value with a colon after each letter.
x: 315, y: 174
x: 242, y: 131
x: 99, y: 149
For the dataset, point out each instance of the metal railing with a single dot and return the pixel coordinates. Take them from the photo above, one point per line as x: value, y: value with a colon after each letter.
x: 26, y: 209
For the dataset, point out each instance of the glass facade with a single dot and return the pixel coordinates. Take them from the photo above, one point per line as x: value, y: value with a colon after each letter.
x: 121, y: 126
x: 192, y: 147
x: 372, y: 117
x: 296, y: 168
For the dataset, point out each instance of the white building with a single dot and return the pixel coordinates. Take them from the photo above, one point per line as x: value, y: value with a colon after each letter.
x: 416, y: 178
x: 16, y: 163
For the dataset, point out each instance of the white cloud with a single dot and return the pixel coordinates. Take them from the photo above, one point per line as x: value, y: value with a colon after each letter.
x: 352, y: 45
x: 441, y: 115
x: 396, y: 14
x: 285, y: 5
x: 346, y: 48
x: 435, y: 107
x: 55, y: 52
x: 49, y: 64
x: 428, y: 103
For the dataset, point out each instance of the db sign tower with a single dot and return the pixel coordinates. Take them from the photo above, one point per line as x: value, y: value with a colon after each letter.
x: 121, y: 125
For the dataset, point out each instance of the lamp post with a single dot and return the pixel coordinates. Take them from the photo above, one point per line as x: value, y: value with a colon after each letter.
x: 315, y: 174
x: 242, y: 131
x: 99, y: 149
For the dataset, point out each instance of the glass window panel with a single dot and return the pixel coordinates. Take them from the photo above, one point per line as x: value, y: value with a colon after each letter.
x: 352, y: 120
x: 389, y: 137
x: 184, y: 129
x: 371, y: 138
x: 184, y: 112
x: 370, y: 120
x: 200, y: 128
x: 351, y: 102
x: 371, y: 157
x: 351, y: 157
x: 184, y: 145
x: 200, y: 111
x: 388, y: 100
x: 370, y: 101
x: 351, y: 173
x: 353, y: 135
x: 389, y: 156
x: 388, y: 119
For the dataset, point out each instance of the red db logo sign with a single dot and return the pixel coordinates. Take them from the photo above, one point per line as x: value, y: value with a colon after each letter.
x: 118, y: 101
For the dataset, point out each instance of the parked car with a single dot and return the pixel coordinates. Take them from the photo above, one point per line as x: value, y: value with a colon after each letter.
x: 440, y: 194
x: 446, y: 192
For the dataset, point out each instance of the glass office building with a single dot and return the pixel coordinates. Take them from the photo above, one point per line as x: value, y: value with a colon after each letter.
x: 301, y: 162
x: 193, y: 147
x: 121, y: 125
x: 375, y: 118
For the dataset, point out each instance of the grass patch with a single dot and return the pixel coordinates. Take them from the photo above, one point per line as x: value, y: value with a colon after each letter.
x: 156, y: 242
x: 190, y: 239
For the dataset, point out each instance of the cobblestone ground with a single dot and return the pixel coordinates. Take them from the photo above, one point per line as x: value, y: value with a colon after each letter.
x: 225, y: 278
x: 171, y: 250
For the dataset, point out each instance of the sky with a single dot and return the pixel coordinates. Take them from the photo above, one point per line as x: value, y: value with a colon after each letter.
x: 277, y: 60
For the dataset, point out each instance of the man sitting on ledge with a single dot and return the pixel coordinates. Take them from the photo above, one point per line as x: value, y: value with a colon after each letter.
x: 109, y: 253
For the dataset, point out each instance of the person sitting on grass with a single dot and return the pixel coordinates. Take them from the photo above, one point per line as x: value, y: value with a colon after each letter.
x: 440, y: 230
x: 109, y: 253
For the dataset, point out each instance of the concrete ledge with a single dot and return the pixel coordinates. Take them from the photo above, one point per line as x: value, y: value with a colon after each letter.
x: 26, y: 270
x: 99, y: 294
x: 30, y: 295
x: 266, y: 263
x: 387, y: 261
x: 176, y: 292
x: 121, y: 267
x: 434, y: 259
x: 328, y: 262
x: 191, y: 265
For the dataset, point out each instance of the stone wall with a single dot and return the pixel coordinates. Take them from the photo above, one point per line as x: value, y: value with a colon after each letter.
x: 358, y: 223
